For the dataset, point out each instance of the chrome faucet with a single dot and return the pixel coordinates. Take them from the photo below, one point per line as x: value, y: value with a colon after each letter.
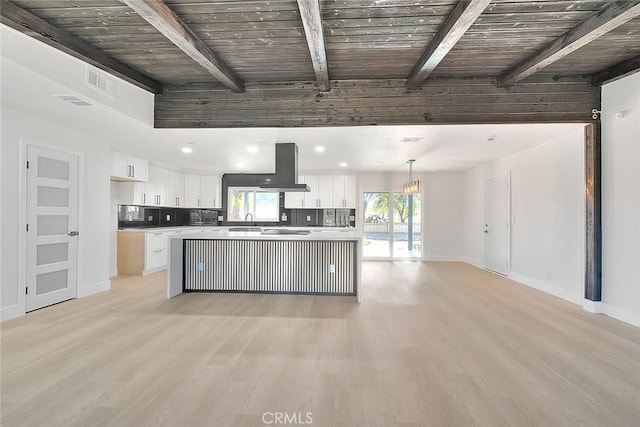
x: 246, y: 217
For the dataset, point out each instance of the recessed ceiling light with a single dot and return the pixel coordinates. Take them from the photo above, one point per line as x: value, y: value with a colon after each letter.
x: 252, y: 150
x: 343, y: 164
x: 319, y: 149
x: 187, y: 150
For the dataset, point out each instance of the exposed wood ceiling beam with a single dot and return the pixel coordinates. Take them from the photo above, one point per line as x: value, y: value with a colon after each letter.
x: 312, y: 22
x: 31, y: 25
x: 602, y: 22
x: 540, y: 99
x: 162, y: 18
x: 461, y: 18
x: 618, y: 71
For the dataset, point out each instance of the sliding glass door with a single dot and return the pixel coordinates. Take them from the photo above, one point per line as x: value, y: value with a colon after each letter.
x: 377, y: 227
x: 392, y: 225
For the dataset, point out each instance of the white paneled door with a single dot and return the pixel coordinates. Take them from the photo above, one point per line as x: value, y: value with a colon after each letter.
x: 52, y: 218
x: 496, y: 224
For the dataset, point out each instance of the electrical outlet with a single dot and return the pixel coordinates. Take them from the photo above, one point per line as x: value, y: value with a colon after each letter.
x: 308, y: 217
x: 168, y: 217
x: 220, y: 218
x: 332, y: 268
x: 201, y: 266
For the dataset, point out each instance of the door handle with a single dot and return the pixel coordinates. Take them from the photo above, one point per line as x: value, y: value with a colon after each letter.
x: 73, y: 233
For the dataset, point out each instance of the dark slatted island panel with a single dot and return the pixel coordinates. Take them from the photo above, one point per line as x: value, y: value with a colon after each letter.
x: 270, y: 266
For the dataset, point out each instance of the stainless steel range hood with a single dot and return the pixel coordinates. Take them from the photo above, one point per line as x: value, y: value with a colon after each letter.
x: 286, y: 177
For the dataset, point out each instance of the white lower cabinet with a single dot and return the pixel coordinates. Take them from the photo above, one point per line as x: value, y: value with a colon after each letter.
x: 155, y: 250
x: 155, y: 260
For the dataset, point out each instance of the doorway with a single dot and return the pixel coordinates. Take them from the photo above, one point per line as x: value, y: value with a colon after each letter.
x: 52, y: 224
x: 496, y: 224
x: 392, y: 225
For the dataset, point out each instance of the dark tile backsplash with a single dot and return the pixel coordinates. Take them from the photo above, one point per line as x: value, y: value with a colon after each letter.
x: 133, y: 216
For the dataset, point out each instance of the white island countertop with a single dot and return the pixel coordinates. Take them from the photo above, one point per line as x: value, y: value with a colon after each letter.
x: 265, y: 234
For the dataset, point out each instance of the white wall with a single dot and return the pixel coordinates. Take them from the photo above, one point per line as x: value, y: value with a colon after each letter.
x: 441, y: 209
x: 621, y: 199
x: 71, y: 73
x: 547, y: 206
x: 20, y: 128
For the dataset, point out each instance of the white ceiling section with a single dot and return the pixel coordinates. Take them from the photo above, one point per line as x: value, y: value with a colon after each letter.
x: 33, y: 88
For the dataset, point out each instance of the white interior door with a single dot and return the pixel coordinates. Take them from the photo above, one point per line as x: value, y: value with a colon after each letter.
x: 52, y: 218
x: 496, y: 224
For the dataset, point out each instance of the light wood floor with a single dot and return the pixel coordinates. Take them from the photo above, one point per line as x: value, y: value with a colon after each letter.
x: 440, y: 344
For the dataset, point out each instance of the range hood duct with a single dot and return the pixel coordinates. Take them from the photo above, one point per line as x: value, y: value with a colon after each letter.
x: 286, y: 177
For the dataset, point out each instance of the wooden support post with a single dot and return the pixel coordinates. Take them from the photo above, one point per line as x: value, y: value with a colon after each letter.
x: 593, y: 265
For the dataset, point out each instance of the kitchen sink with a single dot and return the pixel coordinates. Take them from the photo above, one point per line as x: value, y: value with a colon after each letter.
x: 245, y: 229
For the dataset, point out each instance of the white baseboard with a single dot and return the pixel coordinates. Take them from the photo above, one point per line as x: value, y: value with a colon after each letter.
x: 155, y: 270
x: 592, y: 306
x: 94, y: 288
x: 548, y: 288
x: 471, y: 261
x: 441, y: 258
x: 622, y: 314
x: 11, y: 312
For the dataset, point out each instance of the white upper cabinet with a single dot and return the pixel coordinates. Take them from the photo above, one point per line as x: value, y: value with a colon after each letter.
x: 162, y: 186
x: 192, y: 191
x: 344, y: 191
x: 202, y: 191
x: 128, y: 168
x: 176, y: 189
x: 210, y: 192
x: 327, y: 191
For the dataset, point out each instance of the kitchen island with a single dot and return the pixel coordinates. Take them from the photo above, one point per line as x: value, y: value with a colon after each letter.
x: 276, y: 260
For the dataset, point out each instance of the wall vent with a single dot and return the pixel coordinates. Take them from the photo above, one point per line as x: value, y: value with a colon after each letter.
x: 101, y: 82
x: 411, y: 139
x: 78, y: 102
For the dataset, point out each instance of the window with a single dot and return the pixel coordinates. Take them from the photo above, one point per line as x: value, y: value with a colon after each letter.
x: 392, y: 225
x: 252, y: 204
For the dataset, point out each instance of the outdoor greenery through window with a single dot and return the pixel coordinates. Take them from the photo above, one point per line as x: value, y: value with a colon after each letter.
x: 392, y: 225
x: 252, y: 204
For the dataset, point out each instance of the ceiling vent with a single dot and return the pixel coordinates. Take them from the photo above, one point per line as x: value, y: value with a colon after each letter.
x: 101, y: 82
x: 411, y: 139
x: 78, y: 102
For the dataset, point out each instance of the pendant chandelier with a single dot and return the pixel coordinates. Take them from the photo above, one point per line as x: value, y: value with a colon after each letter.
x: 413, y: 185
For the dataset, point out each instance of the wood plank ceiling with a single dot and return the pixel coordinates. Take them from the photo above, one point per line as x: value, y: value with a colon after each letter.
x: 388, y: 61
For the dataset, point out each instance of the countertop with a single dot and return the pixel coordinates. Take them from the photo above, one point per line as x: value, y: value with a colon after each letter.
x: 344, y: 234
x: 184, y: 228
x: 215, y: 229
